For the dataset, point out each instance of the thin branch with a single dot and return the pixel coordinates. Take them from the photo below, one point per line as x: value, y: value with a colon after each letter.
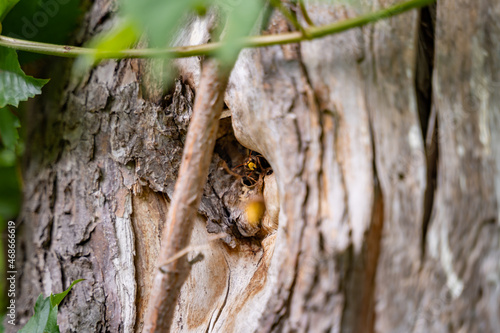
x: 202, y: 134
x: 191, y: 248
x: 305, y: 14
x: 211, y: 48
x: 229, y: 171
x: 290, y: 17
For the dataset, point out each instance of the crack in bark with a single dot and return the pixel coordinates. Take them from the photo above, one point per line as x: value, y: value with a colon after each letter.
x: 372, y: 245
x: 225, y: 297
x: 427, y: 114
x: 282, y: 311
x: 358, y: 282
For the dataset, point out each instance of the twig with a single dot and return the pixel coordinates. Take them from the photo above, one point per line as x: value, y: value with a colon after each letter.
x: 212, y: 48
x: 191, y: 248
x: 229, y: 171
x: 290, y: 17
x: 193, y: 172
x: 305, y: 14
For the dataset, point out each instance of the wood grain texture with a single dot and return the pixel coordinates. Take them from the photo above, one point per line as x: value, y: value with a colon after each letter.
x: 462, y: 274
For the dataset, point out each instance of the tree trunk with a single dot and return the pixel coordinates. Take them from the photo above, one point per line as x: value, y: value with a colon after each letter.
x: 383, y: 142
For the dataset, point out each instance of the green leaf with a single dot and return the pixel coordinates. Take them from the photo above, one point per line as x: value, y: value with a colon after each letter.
x: 5, y: 7
x: 15, y: 86
x: 159, y: 18
x: 45, y: 318
x: 120, y: 37
x: 240, y: 21
x: 9, y: 124
x: 51, y: 325
x: 57, y: 298
x: 38, y: 322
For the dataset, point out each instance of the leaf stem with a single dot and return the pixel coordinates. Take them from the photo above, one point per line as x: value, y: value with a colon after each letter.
x: 305, y: 14
x: 289, y: 16
x: 210, y: 48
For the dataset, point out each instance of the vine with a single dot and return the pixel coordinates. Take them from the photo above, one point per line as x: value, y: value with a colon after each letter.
x: 311, y: 32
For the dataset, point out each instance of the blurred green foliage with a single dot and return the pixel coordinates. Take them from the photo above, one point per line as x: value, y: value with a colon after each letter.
x: 5, y: 7
x: 161, y: 19
x: 50, y: 21
x: 10, y: 188
x: 37, y: 20
x: 44, y: 320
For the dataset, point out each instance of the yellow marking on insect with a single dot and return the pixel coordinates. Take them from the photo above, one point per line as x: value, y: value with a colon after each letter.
x: 254, y: 211
x: 251, y: 165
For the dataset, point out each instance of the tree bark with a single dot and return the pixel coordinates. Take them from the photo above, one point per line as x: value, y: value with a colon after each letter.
x: 382, y: 207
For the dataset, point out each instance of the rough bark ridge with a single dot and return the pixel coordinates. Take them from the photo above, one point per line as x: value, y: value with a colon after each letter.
x: 388, y: 182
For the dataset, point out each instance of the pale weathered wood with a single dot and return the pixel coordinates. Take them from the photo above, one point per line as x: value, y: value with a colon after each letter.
x: 461, y: 272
